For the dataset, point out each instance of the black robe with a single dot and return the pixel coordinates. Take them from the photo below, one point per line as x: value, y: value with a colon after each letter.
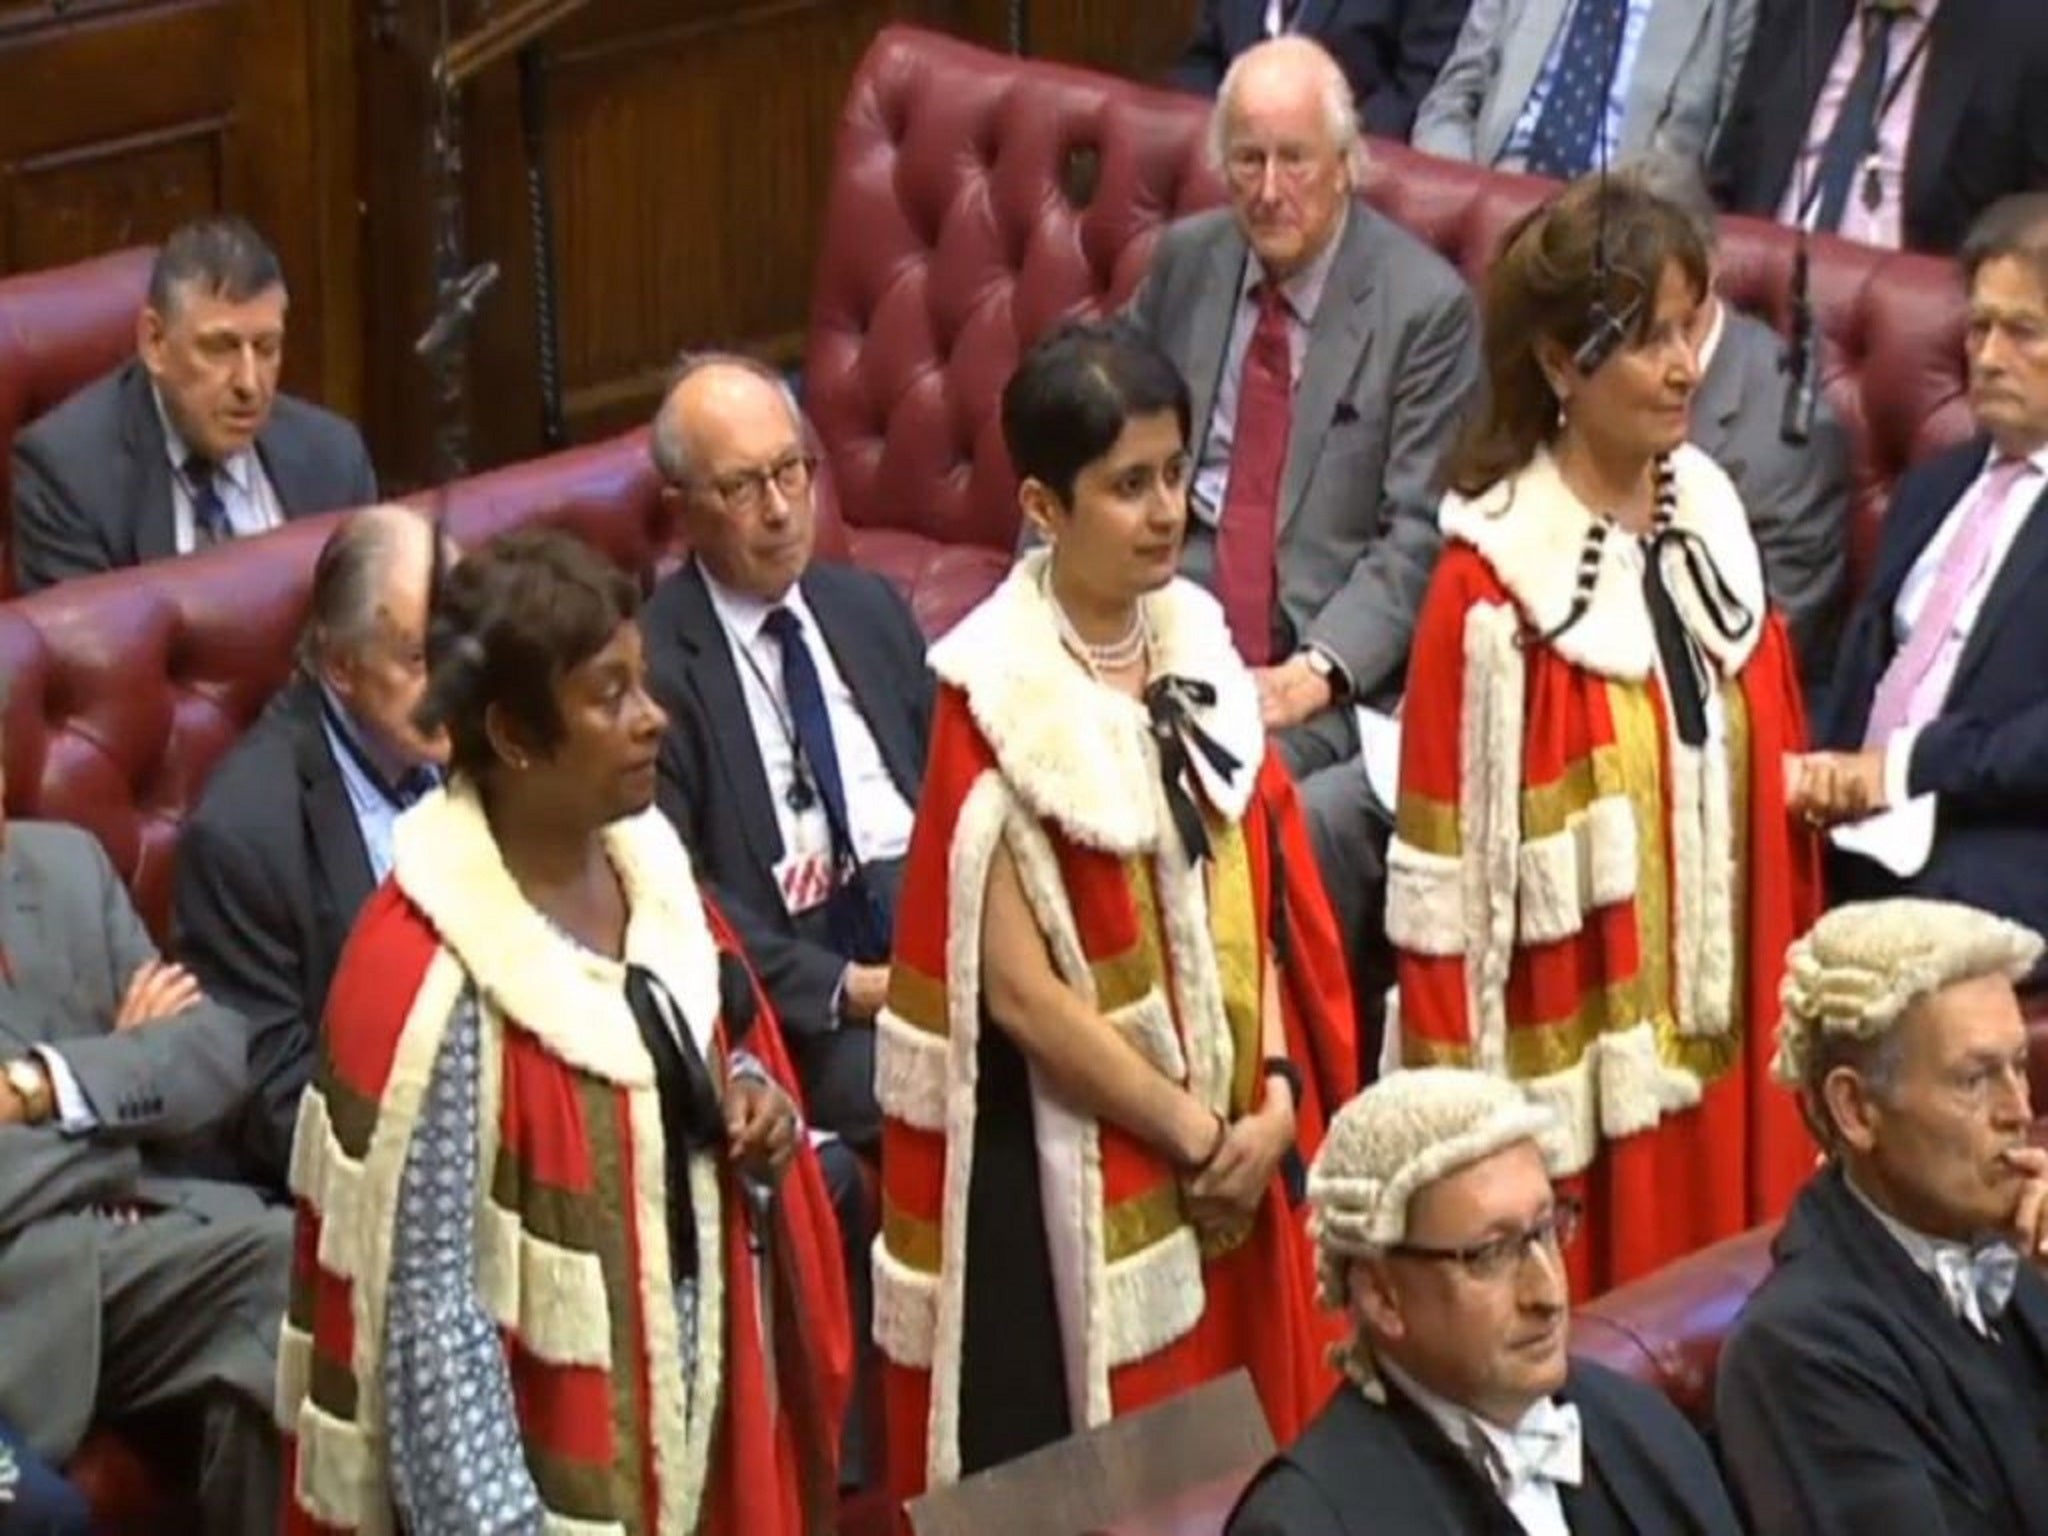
x: 1365, y: 1470
x: 1851, y: 1401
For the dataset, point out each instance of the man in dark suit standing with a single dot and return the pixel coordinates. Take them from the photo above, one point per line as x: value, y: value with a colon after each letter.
x: 1890, y: 1377
x: 1938, y: 711
x: 800, y: 710
x: 1390, y: 50
x: 1330, y: 356
x: 293, y: 831
x: 1896, y: 123
x: 1438, y: 1234
x: 128, y: 1285
x: 189, y: 444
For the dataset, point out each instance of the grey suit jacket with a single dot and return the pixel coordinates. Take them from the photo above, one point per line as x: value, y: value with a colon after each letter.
x: 1797, y: 498
x: 1683, y: 80
x: 92, y: 482
x: 72, y: 941
x: 1393, y: 358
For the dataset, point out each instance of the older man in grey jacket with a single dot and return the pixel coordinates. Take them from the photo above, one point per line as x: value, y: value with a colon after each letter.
x: 126, y: 1284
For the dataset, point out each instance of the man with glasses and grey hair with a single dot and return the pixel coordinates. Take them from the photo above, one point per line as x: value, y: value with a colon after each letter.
x: 1438, y: 1232
x: 1796, y: 495
x: 1330, y: 356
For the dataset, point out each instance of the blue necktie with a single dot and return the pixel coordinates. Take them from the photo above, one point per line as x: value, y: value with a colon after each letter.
x: 209, y: 512
x: 1854, y: 135
x: 1575, y: 109
x: 414, y: 785
x: 850, y: 915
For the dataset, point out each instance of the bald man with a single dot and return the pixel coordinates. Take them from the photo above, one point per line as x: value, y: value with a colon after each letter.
x: 293, y: 831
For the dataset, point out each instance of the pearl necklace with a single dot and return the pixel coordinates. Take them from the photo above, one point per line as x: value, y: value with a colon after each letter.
x: 1118, y: 655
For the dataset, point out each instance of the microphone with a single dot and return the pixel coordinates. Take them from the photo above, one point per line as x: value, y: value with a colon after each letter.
x: 1802, y: 371
x: 457, y: 309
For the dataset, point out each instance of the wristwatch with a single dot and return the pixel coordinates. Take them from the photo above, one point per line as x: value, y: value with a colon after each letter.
x: 1287, y: 1072
x: 31, y: 1085
x: 1324, y: 665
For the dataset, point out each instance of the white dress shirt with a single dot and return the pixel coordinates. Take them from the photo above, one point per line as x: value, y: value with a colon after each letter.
x: 1535, y: 1503
x: 879, y: 814
x: 245, y: 491
x: 1947, y: 1263
x: 1919, y: 585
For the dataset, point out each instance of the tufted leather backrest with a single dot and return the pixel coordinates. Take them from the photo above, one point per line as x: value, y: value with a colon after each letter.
x: 124, y: 690
x: 977, y: 199
x: 60, y: 329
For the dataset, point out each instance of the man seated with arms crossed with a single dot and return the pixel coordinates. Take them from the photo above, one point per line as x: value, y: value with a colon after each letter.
x: 1890, y: 1378
x: 1436, y: 1230
x: 293, y: 831
x: 126, y: 1285
x: 188, y: 444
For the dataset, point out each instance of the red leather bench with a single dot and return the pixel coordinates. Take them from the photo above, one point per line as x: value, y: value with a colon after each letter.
x: 60, y: 328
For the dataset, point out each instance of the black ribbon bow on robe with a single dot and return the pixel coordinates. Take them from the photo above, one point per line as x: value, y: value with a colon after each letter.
x: 1171, y: 703
x: 1684, y: 681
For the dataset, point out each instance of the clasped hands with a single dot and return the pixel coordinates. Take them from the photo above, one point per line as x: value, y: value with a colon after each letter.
x: 1828, y: 788
x: 1232, y: 1164
x: 760, y: 1126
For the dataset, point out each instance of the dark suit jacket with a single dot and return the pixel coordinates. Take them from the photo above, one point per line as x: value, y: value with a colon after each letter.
x: 1361, y: 1469
x: 1797, y: 498
x: 92, y: 482
x: 1392, y: 363
x: 1851, y: 1402
x: 1390, y: 50
x: 1980, y: 128
x: 1986, y: 754
x: 271, y: 871
x: 713, y: 785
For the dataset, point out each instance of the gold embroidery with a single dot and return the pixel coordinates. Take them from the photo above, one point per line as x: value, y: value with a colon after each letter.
x: 1234, y: 925
x: 910, y: 1240
x: 917, y: 999
x: 607, y: 1126
x: 1429, y: 826
x: 1123, y: 979
x: 1548, y: 808
x: 1128, y: 1227
x: 1419, y: 1052
x: 1639, y: 771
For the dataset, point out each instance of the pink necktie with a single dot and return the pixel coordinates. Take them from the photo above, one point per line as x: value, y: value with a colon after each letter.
x: 1246, y: 531
x: 1915, y: 684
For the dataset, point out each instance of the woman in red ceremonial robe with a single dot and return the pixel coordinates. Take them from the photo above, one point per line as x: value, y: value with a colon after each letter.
x: 1594, y: 877
x: 1117, y: 1007
x: 562, y: 1259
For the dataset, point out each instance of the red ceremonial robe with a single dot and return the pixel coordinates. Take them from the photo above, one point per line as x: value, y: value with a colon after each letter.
x: 1030, y: 753
x: 1585, y: 903
x: 572, y: 1260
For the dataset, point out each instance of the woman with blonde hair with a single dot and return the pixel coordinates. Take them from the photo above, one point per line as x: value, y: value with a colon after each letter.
x: 1594, y: 876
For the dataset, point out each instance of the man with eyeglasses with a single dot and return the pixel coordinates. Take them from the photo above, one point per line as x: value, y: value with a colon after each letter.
x: 1330, y: 356
x: 1437, y: 1232
x: 799, y: 713
x: 1890, y: 1377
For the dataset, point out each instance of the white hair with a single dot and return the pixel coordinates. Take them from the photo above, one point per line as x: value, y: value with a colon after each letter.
x: 1340, y: 108
x: 665, y: 438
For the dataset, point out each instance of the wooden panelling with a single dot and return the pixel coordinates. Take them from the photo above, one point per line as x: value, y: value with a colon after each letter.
x: 1130, y: 39
x: 125, y: 118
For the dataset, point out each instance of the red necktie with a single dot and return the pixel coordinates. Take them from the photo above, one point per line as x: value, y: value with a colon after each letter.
x: 1251, y: 499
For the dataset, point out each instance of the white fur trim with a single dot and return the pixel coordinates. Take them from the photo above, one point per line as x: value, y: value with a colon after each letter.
x: 324, y: 1174
x: 1070, y: 748
x: 1152, y: 1298
x: 1069, y: 1149
x: 1573, y: 1138
x: 551, y: 1296
x: 338, y: 1482
x: 1148, y: 1025
x: 1588, y: 863
x: 294, y: 1374
x: 906, y: 1310
x: 1197, y: 984
x: 1637, y: 1088
x: 1530, y: 529
x: 910, y: 1072
x: 1702, y: 887
x: 552, y: 1524
x: 570, y: 999
x: 979, y: 830
x: 1490, y: 817
x: 1425, y: 901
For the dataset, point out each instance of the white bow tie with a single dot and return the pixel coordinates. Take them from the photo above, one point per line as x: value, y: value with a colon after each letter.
x: 1547, y: 1446
x: 1979, y: 1285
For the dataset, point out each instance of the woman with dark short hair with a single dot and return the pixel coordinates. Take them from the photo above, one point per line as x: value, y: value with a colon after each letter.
x: 545, y: 1164
x: 1117, y: 1004
x: 1594, y: 877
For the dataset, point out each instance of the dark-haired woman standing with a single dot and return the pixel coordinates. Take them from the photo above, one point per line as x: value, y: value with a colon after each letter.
x: 535, y: 1174
x: 1594, y: 878
x: 1117, y: 1003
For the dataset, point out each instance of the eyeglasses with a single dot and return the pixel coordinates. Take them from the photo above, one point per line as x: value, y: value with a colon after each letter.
x: 1499, y: 1257
x: 746, y: 490
x: 1245, y: 165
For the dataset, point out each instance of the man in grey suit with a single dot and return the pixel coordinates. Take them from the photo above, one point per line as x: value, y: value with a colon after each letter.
x: 1330, y: 356
x: 126, y: 1286
x: 1547, y: 86
x: 1796, y: 495
x: 188, y: 444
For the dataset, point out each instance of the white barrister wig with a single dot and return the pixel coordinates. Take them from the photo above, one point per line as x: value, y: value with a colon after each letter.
x: 1859, y: 969
x: 1402, y: 1134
